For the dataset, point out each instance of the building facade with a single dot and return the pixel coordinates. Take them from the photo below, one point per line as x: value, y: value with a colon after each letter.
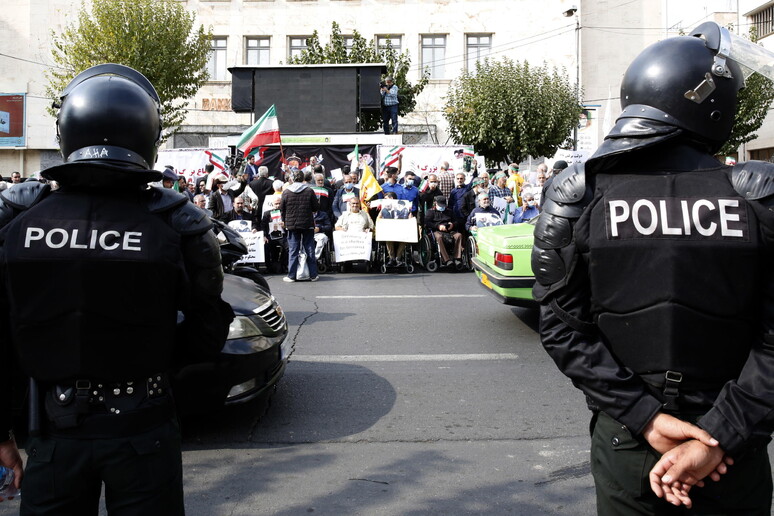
x: 592, y: 40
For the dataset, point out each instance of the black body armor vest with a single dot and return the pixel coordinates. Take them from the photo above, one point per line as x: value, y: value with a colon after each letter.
x: 674, y: 260
x: 95, y: 282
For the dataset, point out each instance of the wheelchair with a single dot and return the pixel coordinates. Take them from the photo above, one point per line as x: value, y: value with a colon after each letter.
x: 382, y: 259
x: 396, y: 230
x: 325, y: 262
x: 430, y: 254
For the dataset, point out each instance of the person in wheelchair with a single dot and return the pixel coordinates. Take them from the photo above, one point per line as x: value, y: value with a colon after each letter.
x: 395, y: 210
x: 354, y: 219
x: 439, y: 221
x: 274, y: 238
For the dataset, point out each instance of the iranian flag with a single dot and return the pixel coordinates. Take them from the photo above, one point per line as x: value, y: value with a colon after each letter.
x: 353, y: 158
x: 263, y: 132
x: 216, y: 160
x: 391, y: 157
x: 468, y: 151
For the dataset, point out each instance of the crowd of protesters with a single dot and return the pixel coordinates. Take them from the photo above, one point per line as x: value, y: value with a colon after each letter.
x: 453, y: 200
x: 455, y: 197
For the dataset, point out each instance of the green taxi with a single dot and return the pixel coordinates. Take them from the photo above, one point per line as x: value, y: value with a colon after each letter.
x: 501, y: 259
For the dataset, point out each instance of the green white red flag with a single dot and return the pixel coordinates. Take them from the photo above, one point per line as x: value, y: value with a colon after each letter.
x: 262, y: 132
x: 216, y: 160
x: 354, y: 158
x: 391, y: 158
x: 468, y: 151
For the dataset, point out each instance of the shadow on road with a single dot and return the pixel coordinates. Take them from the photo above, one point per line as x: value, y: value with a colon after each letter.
x: 402, y: 486
x: 314, y: 402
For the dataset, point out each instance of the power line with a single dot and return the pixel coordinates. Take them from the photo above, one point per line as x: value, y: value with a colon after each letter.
x: 32, y: 62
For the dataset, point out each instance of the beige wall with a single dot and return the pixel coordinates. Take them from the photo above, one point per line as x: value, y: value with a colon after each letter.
x: 611, y: 34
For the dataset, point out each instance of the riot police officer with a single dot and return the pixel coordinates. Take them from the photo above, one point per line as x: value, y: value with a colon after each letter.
x: 653, y: 269
x: 93, y: 276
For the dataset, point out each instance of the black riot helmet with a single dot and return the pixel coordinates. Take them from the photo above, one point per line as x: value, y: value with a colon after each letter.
x: 686, y: 82
x: 109, y: 121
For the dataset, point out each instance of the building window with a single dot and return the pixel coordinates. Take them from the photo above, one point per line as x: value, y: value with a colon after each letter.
x: 762, y: 154
x: 257, y: 51
x: 433, y: 55
x: 763, y: 21
x: 348, y: 42
x: 297, y: 45
x: 395, y: 42
x: 217, y: 62
x: 478, y: 46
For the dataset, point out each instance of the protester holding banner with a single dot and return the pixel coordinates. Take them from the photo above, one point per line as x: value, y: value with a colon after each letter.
x: 355, y: 219
x: 484, y: 215
x: 274, y: 238
x: 439, y: 221
x: 392, y: 208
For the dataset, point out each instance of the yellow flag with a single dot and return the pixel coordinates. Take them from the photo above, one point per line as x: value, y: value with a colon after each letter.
x: 368, y: 185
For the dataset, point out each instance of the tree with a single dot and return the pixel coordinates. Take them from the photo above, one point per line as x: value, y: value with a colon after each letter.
x: 753, y: 104
x: 509, y: 110
x: 363, y: 51
x: 155, y: 37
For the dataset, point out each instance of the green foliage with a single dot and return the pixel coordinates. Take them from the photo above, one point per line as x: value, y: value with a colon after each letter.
x: 752, y: 106
x: 510, y: 110
x: 363, y: 51
x: 155, y: 37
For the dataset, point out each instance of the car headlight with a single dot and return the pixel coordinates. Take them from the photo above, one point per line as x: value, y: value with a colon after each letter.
x: 242, y: 388
x: 242, y: 327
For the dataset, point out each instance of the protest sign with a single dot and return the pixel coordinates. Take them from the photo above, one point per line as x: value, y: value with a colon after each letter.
x: 397, y: 230
x: 482, y: 220
x: 254, y: 241
x: 352, y: 245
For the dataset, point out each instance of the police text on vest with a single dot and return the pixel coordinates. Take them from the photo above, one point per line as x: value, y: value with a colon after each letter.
x: 110, y: 240
x: 676, y: 218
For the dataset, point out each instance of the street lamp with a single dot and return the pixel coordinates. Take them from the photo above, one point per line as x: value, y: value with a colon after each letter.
x: 573, y: 11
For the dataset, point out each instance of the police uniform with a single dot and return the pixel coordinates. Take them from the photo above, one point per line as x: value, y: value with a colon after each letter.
x: 94, y: 275
x: 653, y: 267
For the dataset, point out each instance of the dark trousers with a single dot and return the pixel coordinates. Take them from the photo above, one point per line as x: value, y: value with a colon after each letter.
x: 390, y: 115
x: 457, y: 249
x: 621, y: 463
x: 296, y: 239
x: 143, y: 474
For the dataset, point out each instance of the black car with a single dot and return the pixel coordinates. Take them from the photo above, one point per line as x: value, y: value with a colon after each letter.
x: 252, y: 360
x: 255, y: 354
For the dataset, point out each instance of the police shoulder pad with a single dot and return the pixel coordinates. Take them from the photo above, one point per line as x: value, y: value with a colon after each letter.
x: 25, y: 195
x: 754, y: 180
x: 189, y: 219
x: 163, y: 199
x: 568, y: 192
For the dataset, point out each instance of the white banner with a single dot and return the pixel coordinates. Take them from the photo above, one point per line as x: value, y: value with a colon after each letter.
x: 254, y: 241
x: 189, y: 162
x: 427, y: 159
x: 352, y: 245
x: 397, y: 230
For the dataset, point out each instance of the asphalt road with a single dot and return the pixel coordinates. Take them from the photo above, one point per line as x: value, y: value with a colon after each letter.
x: 406, y: 395
x: 414, y: 394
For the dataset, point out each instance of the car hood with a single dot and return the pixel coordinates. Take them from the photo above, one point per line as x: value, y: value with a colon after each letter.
x: 243, y: 294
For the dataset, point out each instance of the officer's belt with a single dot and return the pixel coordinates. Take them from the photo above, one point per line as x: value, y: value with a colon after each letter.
x: 68, y: 403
